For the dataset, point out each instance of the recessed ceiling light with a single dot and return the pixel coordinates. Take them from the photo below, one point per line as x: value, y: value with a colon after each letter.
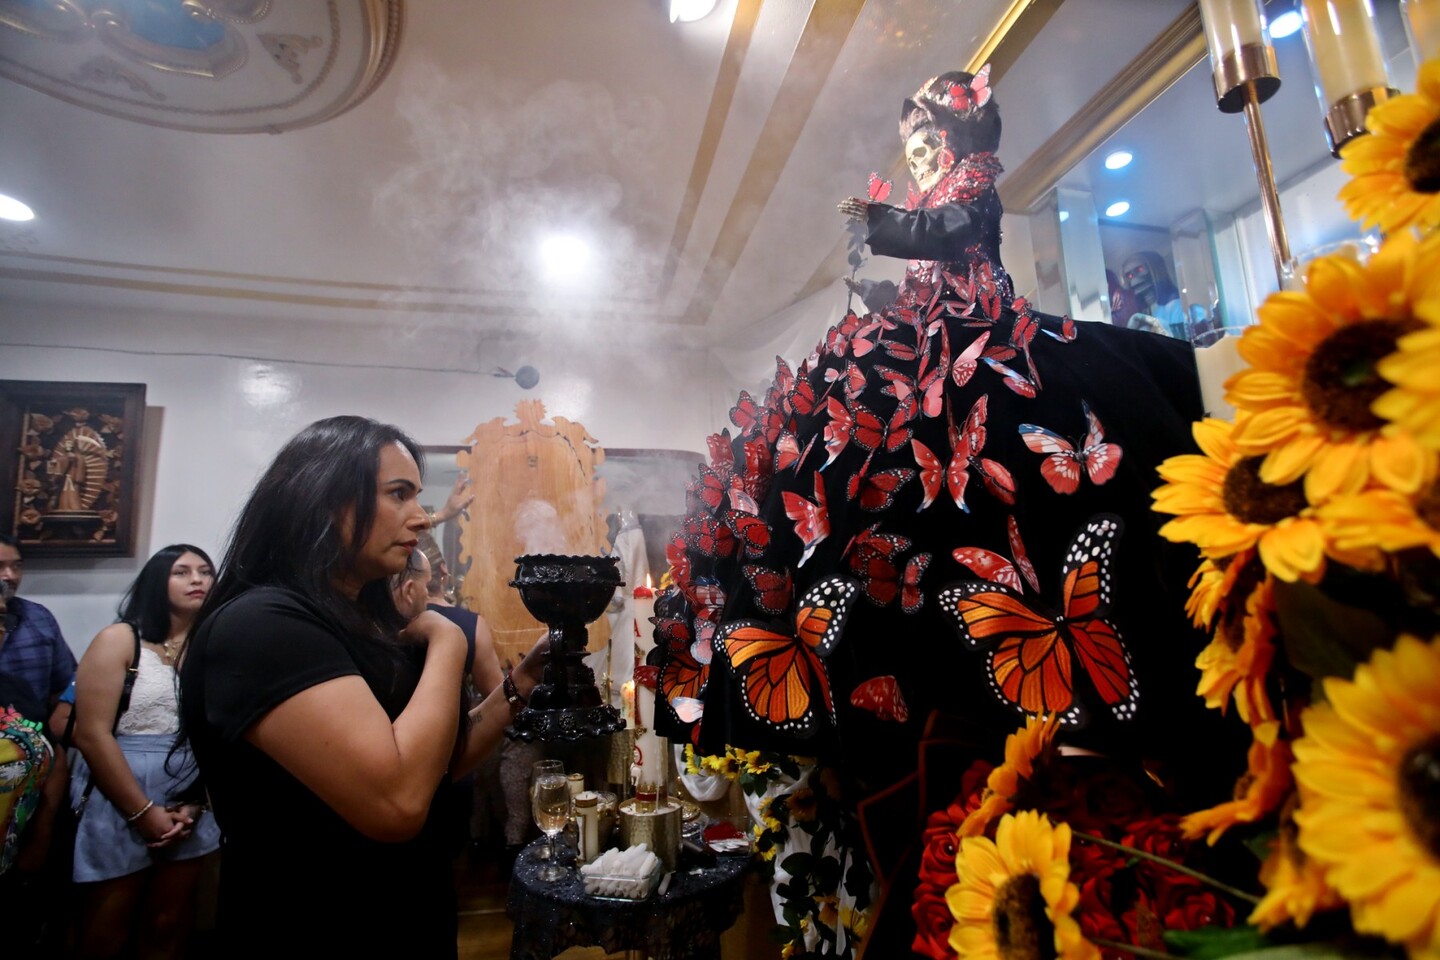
x: 564, y: 250
x: 1119, y: 159
x: 1064, y: 215
x: 688, y: 11
x: 1285, y: 24
x: 12, y: 209
x: 1118, y: 209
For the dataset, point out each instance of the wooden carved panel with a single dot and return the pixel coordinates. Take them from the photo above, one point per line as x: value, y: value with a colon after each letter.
x: 535, y: 492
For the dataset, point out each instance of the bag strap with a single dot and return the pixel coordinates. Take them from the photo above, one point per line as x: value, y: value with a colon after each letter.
x: 120, y: 708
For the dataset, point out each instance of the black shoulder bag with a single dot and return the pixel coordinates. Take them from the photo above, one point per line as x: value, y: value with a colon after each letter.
x: 66, y: 739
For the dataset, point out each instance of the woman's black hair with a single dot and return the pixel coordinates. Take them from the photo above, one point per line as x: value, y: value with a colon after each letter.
x: 146, y: 605
x: 288, y: 534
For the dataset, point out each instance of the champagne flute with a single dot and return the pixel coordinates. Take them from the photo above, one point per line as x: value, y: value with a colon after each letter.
x: 550, y: 801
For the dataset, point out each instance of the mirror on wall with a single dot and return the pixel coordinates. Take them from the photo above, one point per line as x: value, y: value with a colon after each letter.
x: 1167, y: 212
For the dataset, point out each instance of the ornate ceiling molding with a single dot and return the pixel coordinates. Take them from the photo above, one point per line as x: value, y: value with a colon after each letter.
x: 213, y: 66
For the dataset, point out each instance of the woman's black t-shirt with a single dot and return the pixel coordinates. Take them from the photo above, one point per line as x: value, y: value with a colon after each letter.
x: 294, y: 875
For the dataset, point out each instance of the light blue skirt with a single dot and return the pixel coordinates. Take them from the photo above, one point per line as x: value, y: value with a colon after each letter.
x: 105, y: 845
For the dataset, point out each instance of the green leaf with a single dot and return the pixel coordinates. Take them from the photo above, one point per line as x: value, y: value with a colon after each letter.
x: 1261, y: 844
x: 798, y: 864
x: 1207, y: 943
x: 1325, y: 637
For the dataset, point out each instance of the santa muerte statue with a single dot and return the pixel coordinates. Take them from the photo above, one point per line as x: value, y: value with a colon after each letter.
x: 934, y: 530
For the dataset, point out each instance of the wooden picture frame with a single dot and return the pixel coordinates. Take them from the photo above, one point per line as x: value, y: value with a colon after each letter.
x: 69, y: 458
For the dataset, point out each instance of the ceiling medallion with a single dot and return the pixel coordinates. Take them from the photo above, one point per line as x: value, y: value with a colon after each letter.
x: 215, y: 66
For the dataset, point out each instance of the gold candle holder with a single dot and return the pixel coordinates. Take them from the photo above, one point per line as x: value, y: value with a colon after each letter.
x: 658, y: 828
x: 1345, y: 120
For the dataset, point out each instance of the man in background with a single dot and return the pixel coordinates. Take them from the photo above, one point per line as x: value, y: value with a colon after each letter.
x: 35, y: 650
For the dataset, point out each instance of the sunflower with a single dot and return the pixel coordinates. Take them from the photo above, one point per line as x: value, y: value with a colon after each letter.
x: 1385, y: 520
x: 1414, y: 403
x: 1261, y: 789
x: 1295, y: 887
x: 1223, y: 507
x: 1304, y: 404
x: 1368, y: 768
x: 1396, y: 169
x: 1014, y: 897
x: 1022, y: 749
x: 1212, y: 584
x: 1237, y: 661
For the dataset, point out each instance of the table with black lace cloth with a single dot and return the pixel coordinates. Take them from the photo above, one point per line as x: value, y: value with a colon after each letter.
x: 686, y: 922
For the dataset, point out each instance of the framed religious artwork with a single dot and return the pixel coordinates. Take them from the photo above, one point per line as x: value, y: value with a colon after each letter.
x: 69, y: 456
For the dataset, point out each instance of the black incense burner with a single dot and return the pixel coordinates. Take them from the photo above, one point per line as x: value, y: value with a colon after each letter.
x: 565, y: 594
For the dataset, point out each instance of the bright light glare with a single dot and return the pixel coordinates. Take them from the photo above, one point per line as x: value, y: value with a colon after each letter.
x: 688, y: 11
x: 563, y: 250
x: 1118, y: 209
x: 12, y: 209
x: 1118, y: 160
x: 1064, y: 215
x: 1285, y: 24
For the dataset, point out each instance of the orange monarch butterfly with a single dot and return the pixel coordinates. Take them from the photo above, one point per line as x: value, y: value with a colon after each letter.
x: 1032, y: 655
x: 782, y: 677
x: 685, y: 669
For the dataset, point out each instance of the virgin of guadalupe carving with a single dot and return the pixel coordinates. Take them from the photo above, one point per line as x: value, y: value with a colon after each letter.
x: 536, y: 492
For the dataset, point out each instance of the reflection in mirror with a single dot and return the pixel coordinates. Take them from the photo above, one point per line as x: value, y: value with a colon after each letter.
x: 1194, y: 211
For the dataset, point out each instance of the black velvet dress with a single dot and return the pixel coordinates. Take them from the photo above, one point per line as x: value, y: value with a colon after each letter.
x: 945, y: 508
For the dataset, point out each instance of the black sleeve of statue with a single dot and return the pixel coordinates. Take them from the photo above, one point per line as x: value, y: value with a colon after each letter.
x: 939, y: 234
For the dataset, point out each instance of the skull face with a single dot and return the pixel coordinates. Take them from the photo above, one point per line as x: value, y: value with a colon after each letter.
x: 923, y: 153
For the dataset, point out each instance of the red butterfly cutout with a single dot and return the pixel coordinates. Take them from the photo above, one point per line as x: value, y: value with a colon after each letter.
x: 752, y: 533
x: 1016, y: 382
x: 1032, y: 654
x: 879, y: 188
x: 911, y: 598
x: 812, y: 520
x: 772, y: 588
x: 782, y: 677
x: 710, y: 488
x: 740, y: 498
x: 722, y: 454
x: 966, y: 445
x: 931, y: 472
x: 745, y: 414
x: 969, y: 360
x: 709, y: 537
x: 971, y: 96
x: 881, y: 696
x: 995, y: 568
x: 879, y: 489
x: 898, y: 350
x: 1063, y: 464
x: 788, y: 453
x: 784, y: 378
x: 837, y: 431
x: 679, y: 560
x: 802, y: 400
x: 874, y: 559
x: 1067, y: 331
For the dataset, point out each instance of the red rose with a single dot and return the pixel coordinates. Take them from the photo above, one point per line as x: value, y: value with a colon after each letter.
x: 1186, y: 904
x: 932, y: 925
x: 1142, y: 924
x: 937, y: 859
x: 1159, y: 836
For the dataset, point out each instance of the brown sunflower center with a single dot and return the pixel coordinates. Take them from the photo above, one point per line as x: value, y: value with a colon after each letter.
x: 1422, y: 161
x: 1340, y: 380
x: 1251, y: 500
x: 1022, y: 931
x: 1420, y: 792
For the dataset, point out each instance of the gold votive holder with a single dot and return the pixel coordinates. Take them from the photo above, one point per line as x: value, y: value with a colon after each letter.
x: 621, y: 757
x: 658, y: 829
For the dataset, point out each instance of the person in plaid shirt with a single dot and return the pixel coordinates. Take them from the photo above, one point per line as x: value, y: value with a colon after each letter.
x: 34, y: 650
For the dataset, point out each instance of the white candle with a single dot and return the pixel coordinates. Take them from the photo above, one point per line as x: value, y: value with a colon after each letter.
x: 1216, y: 364
x: 1229, y: 24
x: 627, y: 703
x: 643, y: 605
x: 649, y: 747
x: 1422, y: 17
x: 1344, y: 46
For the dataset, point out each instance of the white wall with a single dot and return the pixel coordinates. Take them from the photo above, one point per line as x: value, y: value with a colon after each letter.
x: 223, y: 392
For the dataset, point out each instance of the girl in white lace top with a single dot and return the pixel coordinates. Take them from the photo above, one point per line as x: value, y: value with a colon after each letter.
x: 142, y: 832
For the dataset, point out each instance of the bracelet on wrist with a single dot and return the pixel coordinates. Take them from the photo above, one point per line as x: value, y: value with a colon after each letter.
x: 512, y: 693
x: 140, y: 813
